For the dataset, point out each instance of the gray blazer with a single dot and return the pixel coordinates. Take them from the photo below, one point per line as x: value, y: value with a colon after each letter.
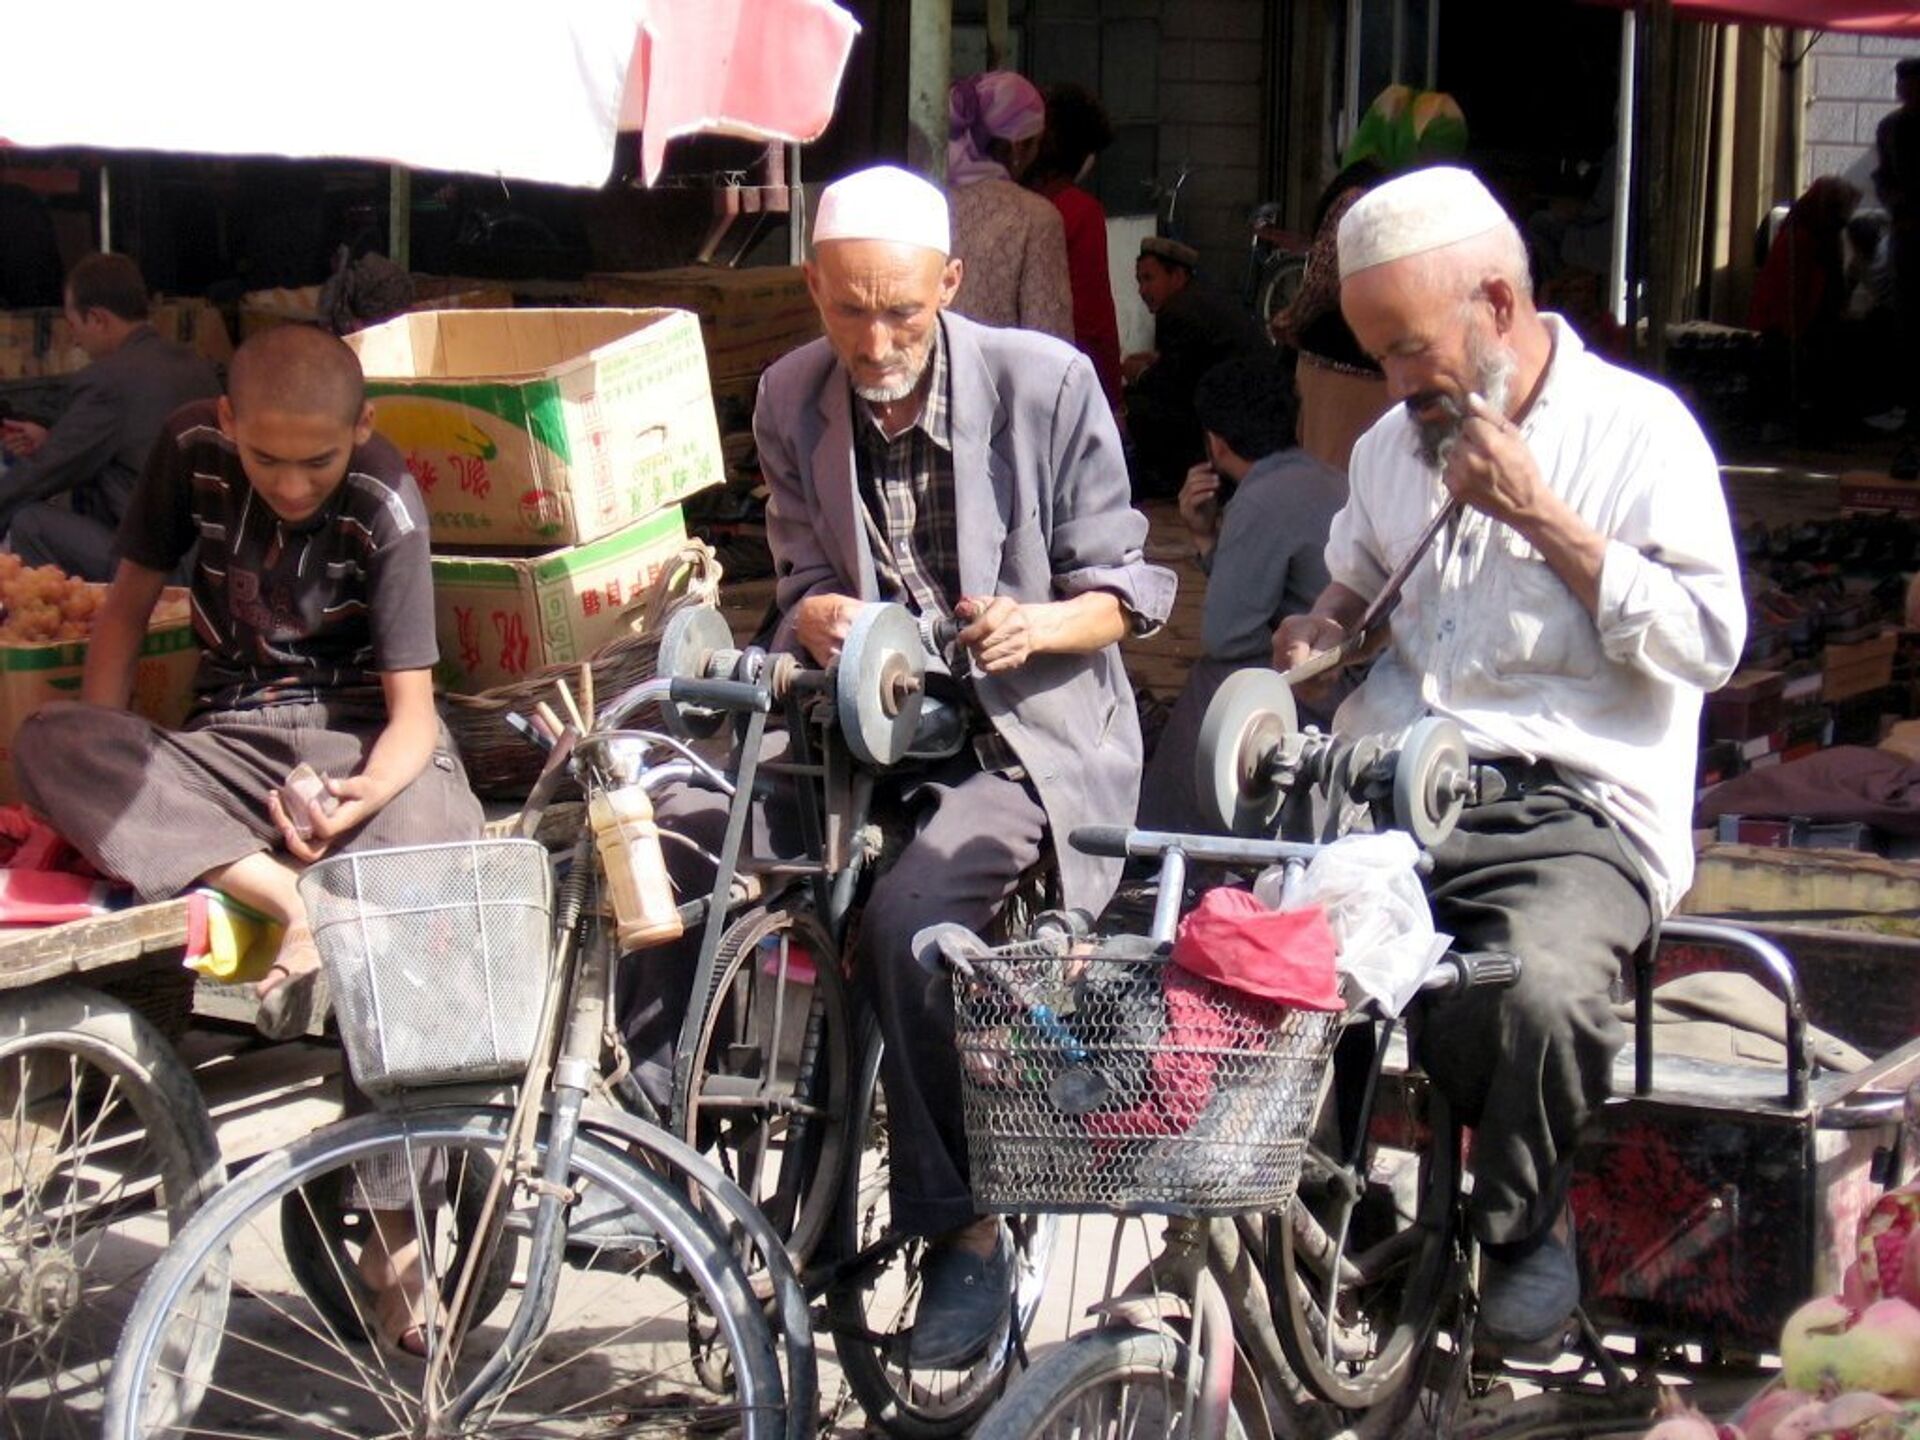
x: 98, y: 447
x: 1042, y: 513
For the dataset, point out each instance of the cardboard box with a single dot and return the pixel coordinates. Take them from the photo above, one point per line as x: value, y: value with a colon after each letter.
x: 543, y: 427
x: 37, y: 343
x: 300, y: 305
x: 1749, y: 704
x: 1857, y: 669
x: 1864, y: 492
x: 31, y: 675
x: 748, y: 318
x: 501, y: 617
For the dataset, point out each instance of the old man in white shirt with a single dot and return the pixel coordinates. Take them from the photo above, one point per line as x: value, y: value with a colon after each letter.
x: 1568, y: 620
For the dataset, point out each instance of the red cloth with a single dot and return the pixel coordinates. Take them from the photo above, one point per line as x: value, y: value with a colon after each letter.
x: 1282, y: 955
x: 1096, y: 327
x: 28, y: 843
x: 1803, y: 285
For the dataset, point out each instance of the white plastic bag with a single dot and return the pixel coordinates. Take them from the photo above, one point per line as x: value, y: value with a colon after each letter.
x: 1372, y: 895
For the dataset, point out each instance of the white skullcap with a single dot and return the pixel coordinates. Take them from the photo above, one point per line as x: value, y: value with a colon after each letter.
x: 1414, y: 213
x: 884, y: 203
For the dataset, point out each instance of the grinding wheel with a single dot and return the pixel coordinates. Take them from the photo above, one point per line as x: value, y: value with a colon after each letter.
x: 1251, y: 715
x: 879, y: 682
x: 1430, y: 781
x: 692, y: 638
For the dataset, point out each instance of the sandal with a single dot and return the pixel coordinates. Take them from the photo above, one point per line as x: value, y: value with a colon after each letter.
x: 287, y: 1011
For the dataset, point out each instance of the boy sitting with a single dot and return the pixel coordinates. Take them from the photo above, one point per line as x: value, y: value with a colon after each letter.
x: 313, y: 602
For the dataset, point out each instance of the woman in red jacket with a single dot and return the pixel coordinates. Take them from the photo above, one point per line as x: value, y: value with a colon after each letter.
x: 1077, y: 131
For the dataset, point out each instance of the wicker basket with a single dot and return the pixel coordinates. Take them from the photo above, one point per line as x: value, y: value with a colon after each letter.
x: 500, y: 763
x: 1117, y: 1082
x: 437, y: 956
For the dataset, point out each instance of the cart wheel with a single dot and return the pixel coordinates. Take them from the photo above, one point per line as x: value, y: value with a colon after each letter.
x: 106, y: 1149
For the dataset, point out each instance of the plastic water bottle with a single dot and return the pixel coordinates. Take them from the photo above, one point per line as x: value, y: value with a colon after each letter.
x: 644, y: 910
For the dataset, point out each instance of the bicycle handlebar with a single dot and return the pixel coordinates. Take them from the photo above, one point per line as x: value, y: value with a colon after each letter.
x: 1120, y: 842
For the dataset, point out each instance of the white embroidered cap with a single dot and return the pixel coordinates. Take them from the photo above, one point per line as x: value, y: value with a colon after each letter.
x: 1414, y: 213
x: 884, y: 203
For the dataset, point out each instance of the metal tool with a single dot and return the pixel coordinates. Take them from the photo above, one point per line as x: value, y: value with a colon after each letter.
x: 878, y: 681
x: 1380, y: 606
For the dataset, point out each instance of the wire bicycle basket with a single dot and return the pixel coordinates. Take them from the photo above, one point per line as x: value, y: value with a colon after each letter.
x: 1115, y: 1081
x: 437, y: 956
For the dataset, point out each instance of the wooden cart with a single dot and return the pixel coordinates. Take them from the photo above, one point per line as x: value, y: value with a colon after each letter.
x: 107, y: 1141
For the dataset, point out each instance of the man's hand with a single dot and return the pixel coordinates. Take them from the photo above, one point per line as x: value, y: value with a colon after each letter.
x: 1299, y: 637
x: 1493, y: 470
x: 1136, y: 365
x: 20, y: 438
x: 1000, y: 635
x: 359, y: 798
x: 1200, y: 505
x: 822, y: 623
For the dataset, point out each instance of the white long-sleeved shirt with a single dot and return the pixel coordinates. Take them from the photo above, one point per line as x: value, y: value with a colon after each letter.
x: 1489, y: 636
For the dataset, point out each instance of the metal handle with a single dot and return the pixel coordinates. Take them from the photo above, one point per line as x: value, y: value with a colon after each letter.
x: 1495, y: 968
x: 1769, y: 958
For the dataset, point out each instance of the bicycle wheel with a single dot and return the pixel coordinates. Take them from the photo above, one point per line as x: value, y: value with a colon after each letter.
x: 1367, y: 1260
x: 612, y: 1357
x: 766, y: 1087
x: 106, y: 1150
x: 1279, y: 284
x: 1117, y: 1383
x: 871, y: 1304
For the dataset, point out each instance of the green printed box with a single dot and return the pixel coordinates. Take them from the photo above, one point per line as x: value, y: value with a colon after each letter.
x: 501, y: 617
x: 543, y: 427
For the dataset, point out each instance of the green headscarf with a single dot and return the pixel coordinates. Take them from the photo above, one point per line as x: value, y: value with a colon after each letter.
x: 1405, y: 127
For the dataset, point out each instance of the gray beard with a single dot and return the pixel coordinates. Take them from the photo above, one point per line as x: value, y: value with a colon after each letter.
x: 888, y: 394
x: 1493, y: 375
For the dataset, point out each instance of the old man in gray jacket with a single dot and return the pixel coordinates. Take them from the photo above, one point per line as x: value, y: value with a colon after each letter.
x: 974, y: 474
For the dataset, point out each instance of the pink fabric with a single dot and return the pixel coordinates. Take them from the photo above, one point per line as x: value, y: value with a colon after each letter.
x: 765, y: 68
x: 996, y: 105
x: 48, y: 897
x: 1866, y: 17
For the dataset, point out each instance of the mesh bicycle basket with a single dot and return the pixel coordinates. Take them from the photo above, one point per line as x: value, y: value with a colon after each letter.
x: 1117, y: 1082
x: 437, y: 956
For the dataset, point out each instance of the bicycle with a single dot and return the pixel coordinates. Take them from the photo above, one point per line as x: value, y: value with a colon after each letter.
x: 580, y: 1270
x: 777, y: 1070
x: 1295, y: 1291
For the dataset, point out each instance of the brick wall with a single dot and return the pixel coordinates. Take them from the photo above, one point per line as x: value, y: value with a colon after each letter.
x: 1849, y: 91
x: 1211, y: 93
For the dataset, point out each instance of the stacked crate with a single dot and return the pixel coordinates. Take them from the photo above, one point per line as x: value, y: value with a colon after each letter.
x: 553, y: 448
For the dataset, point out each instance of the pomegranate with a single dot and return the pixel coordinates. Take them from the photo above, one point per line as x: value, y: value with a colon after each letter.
x: 1765, y: 1413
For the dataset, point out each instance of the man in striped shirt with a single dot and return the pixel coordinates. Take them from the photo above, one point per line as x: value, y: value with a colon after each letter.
x: 312, y: 598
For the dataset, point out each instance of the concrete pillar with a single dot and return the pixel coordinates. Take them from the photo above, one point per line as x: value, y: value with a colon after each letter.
x: 929, y: 66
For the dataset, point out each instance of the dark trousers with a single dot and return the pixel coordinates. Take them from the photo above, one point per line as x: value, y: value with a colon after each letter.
x: 79, y: 543
x: 43, y: 534
x: 1550, y: 880
x: 973, y: 835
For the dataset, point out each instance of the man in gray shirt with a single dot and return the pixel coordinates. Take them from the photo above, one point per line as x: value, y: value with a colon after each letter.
x: 96, y: 450
x: 1261, y: 551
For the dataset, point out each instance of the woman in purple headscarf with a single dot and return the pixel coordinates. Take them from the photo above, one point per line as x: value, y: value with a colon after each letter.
x: 1010, y: 240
